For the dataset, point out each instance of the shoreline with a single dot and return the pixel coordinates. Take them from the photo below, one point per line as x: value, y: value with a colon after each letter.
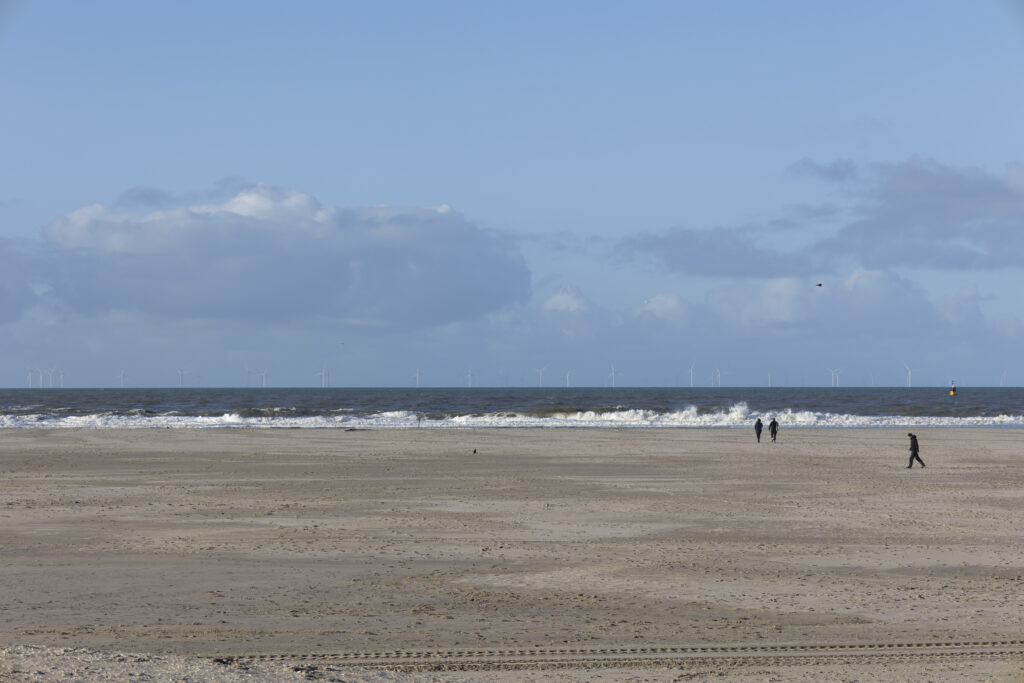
x: 234, y: 542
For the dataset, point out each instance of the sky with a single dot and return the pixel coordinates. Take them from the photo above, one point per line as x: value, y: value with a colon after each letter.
x: 739, y: 193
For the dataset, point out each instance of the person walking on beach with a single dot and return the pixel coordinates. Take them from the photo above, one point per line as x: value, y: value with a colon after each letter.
x: 773, y: 429
x: 757, y: 429
x: 914, y: 451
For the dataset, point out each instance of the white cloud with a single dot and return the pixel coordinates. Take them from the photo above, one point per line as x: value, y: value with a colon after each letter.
x: 279, y: 255
x: 565, y: 301
x: 771, y: 302
x: 663, y: 306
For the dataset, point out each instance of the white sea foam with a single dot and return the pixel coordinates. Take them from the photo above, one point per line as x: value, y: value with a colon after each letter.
x: 737, y: 416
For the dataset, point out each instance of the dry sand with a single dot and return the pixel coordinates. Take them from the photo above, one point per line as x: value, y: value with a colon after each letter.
x: 194, y: 545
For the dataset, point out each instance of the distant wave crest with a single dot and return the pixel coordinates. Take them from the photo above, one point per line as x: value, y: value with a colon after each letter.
x: 737, y: 416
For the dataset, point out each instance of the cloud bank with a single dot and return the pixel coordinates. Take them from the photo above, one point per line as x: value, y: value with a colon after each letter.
x: 915, y: 214
x: 272, y: 278
x: 279, y: 256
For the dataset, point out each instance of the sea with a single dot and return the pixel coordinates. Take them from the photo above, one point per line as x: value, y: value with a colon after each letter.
x: 539, y: 408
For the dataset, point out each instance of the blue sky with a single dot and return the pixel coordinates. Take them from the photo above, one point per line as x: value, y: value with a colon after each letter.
x: 511, y: 193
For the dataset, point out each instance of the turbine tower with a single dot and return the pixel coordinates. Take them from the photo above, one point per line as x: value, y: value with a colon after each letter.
x: 909, y: 383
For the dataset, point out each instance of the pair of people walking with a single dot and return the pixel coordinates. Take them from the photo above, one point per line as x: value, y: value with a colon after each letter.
x: 773, y: 429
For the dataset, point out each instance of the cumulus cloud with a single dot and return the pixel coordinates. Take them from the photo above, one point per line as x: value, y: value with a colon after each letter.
x: 566, y: 300
x: 774, y: 302
x: 272, y: 255
x: 143, y: 197
x: 665, y: 307
x: 883, y: 301
x: 570, y: 313
x: 862, y: 304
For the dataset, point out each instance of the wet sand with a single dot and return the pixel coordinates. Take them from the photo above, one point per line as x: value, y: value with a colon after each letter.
x: 231, y: 543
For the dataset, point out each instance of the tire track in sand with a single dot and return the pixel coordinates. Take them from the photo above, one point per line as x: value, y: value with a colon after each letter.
x: 641, y: 657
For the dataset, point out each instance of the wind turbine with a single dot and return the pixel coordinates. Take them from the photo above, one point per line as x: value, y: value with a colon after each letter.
x: 692, y: 366
x: 540, y: 376
x: 719, y: 373
x: 181, y: 377
x: 30, y: 378
x: 417, y: 378
x: 121, y: 376
x: 567, y: 373
x: 324, y: 376
x: 613, y: 376
x: 835, y: 377
x: 909, y: 383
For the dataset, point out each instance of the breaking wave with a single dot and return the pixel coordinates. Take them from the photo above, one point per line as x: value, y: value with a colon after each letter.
x: 737, y: 415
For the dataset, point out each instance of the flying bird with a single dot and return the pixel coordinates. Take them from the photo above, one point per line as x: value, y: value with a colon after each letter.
x: 819, y: 284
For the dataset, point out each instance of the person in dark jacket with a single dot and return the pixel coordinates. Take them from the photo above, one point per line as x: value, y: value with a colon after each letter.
x: 773, y: 429
x: 757, y: 429
x: 914, y: 450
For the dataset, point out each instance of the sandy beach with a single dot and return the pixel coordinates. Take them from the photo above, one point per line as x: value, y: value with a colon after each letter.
x: 513, y: 554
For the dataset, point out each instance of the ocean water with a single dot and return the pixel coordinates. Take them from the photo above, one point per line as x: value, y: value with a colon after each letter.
x: 446, y: 408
